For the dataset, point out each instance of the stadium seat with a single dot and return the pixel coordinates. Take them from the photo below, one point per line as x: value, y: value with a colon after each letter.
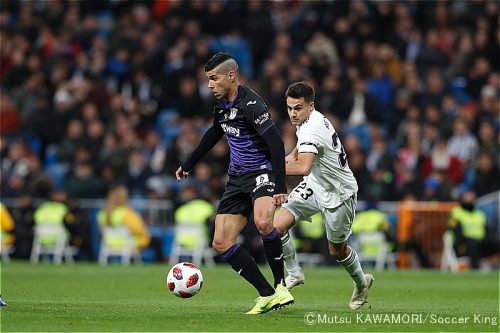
x: 363, y: 133
x: 166, y: 125
x: 118, y: 242
x: 450, y: 261
x: 5, y: 251
x: 372, y: 247
x: 51, y: 240
x: 199, y: 252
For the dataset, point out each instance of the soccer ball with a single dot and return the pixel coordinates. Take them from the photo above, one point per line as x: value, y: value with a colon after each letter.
x: 184, y: 280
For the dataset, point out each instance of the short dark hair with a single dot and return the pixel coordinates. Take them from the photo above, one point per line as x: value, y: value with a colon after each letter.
x: 301, y: 89
x: 216, y: 60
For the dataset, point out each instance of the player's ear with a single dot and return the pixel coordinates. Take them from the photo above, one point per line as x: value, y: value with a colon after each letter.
x: 231, y: 76
x: 311, y: 105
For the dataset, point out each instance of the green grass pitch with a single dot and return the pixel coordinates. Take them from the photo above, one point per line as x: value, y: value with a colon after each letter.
x: 88, y: 297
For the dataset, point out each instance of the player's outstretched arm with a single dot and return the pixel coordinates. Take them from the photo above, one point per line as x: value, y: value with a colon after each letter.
x: 208, y: 141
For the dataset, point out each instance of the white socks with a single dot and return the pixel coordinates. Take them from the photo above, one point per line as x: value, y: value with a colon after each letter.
x: 353, y: 267
x: 350, y: 263
x: 289, y: 254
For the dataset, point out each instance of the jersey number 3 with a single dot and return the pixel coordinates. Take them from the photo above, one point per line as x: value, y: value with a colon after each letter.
x: 342, y: 155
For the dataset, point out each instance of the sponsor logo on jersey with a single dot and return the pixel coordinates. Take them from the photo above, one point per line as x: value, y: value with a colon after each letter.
x: 230, y: 129
x: 251, y: 102
x: 327, y: 123
x: 262, y: 118
x: 233, y: 113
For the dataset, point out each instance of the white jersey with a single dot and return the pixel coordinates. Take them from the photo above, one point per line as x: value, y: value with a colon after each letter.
x: 330, y: 171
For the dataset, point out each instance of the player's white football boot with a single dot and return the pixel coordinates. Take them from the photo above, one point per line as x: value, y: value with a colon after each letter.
x: 294, y: 280
x: 360, y: 297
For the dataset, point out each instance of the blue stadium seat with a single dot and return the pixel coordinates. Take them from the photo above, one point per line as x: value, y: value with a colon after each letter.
x: 166, y: 126
x: 363, y: 133
x: 239, y: 48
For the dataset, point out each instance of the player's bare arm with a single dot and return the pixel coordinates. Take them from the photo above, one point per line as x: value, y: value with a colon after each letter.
x: 301, y: 166
x: 293, y: 156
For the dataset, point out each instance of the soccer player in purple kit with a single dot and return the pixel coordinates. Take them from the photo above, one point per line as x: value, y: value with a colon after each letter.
x: 256, y: 178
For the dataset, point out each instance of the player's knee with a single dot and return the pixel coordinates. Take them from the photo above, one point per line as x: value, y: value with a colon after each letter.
x: 339, y: 252
x: 219, y: 246
x: 282, y: 230
x: 264, y: 225
x: 283, y: 222
x: 334, y: 252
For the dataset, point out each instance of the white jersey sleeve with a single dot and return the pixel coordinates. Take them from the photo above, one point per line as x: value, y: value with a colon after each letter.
x: 308, y: 141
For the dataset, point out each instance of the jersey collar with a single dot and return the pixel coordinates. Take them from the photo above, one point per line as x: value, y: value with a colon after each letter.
x: 230, y: 105
x: 307, y: 119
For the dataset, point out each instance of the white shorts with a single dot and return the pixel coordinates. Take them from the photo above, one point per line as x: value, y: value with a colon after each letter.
x: 303, y: 203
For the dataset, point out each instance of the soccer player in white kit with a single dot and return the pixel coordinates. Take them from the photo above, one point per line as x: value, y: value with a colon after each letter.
x: 328, y: 187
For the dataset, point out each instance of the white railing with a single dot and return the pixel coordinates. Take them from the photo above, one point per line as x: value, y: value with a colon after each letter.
x: 154, y: 212
x: 160, y: 212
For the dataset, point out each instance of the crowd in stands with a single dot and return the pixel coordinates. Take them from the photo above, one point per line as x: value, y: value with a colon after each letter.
x: 95, y: 94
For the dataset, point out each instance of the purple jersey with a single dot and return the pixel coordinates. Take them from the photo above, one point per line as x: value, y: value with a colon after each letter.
x: 244, y: 121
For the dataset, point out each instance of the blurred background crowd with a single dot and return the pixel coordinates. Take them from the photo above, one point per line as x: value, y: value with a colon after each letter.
x: 99, y: 93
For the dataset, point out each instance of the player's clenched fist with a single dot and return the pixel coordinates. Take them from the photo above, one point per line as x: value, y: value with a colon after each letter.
x: 179, y: 174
